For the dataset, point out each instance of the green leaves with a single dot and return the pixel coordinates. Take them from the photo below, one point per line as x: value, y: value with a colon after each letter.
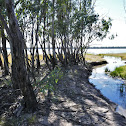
x: 50, y: 81
x: 106, y: 24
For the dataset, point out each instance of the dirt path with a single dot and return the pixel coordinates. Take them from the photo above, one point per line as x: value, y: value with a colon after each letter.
x: 76, y: 102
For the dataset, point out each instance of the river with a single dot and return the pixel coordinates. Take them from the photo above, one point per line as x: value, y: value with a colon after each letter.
x: 112, y: 88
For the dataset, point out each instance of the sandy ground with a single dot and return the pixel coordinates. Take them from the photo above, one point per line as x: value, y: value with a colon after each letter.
x: 75, y: 102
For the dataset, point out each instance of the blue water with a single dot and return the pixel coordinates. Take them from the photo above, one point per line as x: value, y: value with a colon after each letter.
x: 104, y: 51
x: 112, y: 88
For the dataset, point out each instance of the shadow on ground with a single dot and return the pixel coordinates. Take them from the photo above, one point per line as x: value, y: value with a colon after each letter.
x: 75, y: 102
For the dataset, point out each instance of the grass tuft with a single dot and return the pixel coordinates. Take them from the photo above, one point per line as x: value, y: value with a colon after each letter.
x: 119, y: 72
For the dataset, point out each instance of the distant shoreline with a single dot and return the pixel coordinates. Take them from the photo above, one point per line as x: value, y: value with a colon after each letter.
x: 123, y: 47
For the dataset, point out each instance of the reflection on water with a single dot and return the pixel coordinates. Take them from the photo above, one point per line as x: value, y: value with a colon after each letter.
x: 112, y: 88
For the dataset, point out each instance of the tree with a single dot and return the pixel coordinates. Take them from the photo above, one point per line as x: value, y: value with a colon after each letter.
x: 68, y: 25
x: 20, y: 77
x: 4, y: 49
x: 5, y: 56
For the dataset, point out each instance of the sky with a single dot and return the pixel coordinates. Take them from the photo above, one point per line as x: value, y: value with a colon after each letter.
x: 115, y: 10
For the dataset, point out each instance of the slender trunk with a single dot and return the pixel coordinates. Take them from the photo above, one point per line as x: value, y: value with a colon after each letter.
x: 81, y: 38
x: 26, y: 54
x: 5, y: 56
x: 1, y: 64
x: 32, y: 48
x: 53, y: 37
x: 37, y: 52
x: 27, y: 59
x: 65, y: 52
x: 44, y: 55
x: 19, y: 74
x: 38, y: 60
x: 48, y: 37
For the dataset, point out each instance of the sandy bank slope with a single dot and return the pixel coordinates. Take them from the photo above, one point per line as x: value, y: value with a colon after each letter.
x: 80, y: 104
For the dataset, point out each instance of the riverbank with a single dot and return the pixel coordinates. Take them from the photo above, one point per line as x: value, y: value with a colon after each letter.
x: 74, y: 102
x: 95, y: 60
x: 119, y: 72
x: 121, y: 55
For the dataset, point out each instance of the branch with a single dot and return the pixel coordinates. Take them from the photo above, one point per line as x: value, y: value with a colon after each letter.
x: 5, y: 25
x: 16, y: 3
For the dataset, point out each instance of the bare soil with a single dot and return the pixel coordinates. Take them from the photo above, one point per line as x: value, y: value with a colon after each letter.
x: 75, y: 102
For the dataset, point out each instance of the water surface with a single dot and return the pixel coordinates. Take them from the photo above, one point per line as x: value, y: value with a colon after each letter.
x: 114, y: 89
x: 104, y: 51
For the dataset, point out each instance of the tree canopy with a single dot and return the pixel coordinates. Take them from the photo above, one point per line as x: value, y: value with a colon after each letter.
x: 63, y: 29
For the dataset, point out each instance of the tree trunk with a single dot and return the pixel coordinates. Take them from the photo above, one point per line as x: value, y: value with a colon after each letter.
x: 5, y: 56
x: 65, y: 52
x: 1, y: 64
x: 32, y: 49
x: 38, y: 60
x: 20, y: 76
x: 53, y: 37
x: 37, y: 52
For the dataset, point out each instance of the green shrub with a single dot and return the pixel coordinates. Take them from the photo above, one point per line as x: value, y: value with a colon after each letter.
x: 50, y: 81
x: 119, y: 72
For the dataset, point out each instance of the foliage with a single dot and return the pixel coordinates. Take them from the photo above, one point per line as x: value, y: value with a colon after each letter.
x: 50, y: 81
x: 119, y: 72
x: 32, y: 119
x: 14, y: 121
x: 70, y: 24
x: 8, y: 82
x: 66, y: 25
